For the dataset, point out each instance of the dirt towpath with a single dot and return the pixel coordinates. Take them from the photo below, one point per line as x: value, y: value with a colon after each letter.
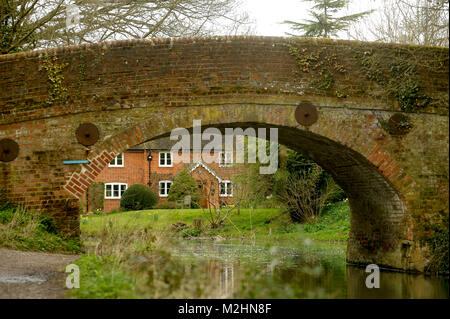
x: 25, y: 274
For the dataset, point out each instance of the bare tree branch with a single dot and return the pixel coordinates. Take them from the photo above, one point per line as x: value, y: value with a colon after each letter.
x: 423, y: 22
x: 30, y: 24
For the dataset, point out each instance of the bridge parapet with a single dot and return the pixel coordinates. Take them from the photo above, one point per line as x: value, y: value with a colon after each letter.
x: 195, y: 71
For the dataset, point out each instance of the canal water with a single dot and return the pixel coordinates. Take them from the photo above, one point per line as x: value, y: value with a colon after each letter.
x: 306, y: 270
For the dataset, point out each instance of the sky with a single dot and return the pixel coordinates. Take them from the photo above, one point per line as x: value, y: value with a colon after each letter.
x: 269, y: 13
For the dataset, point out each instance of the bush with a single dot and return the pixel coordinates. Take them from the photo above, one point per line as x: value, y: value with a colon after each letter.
x: 96, y: 197
x: 6, y: 215
x: 166, y: 205
x: 308, y: 189
x: 138, y: 197
x: 439, y: 247
x: 184, y: 185
x: 338, y: 195
x: 5, y: 204
x: 47, y: 224
x: 191, y: 233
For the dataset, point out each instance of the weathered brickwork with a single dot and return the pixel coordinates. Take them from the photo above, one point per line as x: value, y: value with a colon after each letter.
x: 135, y: 91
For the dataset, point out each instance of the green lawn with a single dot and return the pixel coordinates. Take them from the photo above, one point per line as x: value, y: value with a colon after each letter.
x: 129, y: 256
x: 258, y: 224
x: 333, y: 224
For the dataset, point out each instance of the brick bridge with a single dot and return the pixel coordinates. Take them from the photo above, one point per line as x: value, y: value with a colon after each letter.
x: 381, y: 132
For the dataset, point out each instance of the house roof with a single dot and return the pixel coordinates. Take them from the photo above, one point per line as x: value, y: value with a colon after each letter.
x: 209, y: 170
x: 162, y: 144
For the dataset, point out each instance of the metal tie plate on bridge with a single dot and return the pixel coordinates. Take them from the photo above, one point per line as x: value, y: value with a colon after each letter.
x: 87, y: 134
x: 398, y: 124
x: 306, y: 114
x: 9, y: 150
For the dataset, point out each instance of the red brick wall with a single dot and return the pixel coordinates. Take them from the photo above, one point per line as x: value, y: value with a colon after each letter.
x: 162, y: 173
x: 134, y: 171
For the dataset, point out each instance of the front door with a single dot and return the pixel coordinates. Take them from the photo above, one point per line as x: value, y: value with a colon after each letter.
x: 203, y: 195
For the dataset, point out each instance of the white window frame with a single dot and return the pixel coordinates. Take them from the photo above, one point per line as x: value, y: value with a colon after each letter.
x: 228, y: 187
x: 112, y: 190
x: 165, y: 159
x: 111, y: 164
x: 227, y: 159
x: 159, y: 188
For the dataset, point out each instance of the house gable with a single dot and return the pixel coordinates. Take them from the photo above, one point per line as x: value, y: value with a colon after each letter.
x: 209, y: 170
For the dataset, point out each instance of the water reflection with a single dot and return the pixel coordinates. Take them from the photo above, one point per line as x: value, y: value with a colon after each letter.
x: 223, y: 274
x: 300, y: 271
x: 396, y: 285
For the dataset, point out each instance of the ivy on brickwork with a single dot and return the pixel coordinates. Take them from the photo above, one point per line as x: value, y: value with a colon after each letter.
x: 439, y: 246
x: 58, y: 92
x: 439, y: 243
x: 394, y: 69
x: 397, y: 75
x: 81, y: 75
x: 435, y: 235
x: 323, y: 65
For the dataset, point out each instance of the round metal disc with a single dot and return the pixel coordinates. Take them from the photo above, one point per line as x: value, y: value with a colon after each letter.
x: 87, y: 134
x: 399, y: 124
x: 9, y: 150
x: 306, y: 114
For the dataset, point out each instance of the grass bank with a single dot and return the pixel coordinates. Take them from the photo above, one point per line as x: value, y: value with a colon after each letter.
x: 130, y: 255
x: 257, y: 224
x: 25, y: 230
x: 125, y: 261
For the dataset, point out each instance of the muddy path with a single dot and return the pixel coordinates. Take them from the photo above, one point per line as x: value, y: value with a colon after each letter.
x: 25, y: 274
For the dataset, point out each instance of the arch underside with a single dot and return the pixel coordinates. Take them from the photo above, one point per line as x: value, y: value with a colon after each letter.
x: 378, y: 214
x: 379, y: 220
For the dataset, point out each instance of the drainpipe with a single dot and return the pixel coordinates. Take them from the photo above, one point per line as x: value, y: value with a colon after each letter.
x: 149, y: 158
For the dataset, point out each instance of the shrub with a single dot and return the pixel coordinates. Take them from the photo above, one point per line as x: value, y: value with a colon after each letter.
x: 166, y: 205
x: 47, y: 224
x: 337, y: 194
x: 191, y: 233
x: 303, y: 196
x: 184, y: 185
x: 137, y: 197
x: 6, y: 215
x: 439, y: 247
x: 308, y: 189
x: 96, y: 197
x: 5, y: 204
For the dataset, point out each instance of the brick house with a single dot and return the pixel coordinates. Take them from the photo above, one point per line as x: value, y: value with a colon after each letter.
x: 155, y: 165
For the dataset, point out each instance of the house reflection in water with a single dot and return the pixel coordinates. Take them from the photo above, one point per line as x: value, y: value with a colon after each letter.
x: 223, y: 275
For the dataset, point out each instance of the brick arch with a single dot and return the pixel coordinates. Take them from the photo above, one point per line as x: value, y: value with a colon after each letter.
x: 141, y: 89
x: 373, y: 181
x: 268, y: 116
